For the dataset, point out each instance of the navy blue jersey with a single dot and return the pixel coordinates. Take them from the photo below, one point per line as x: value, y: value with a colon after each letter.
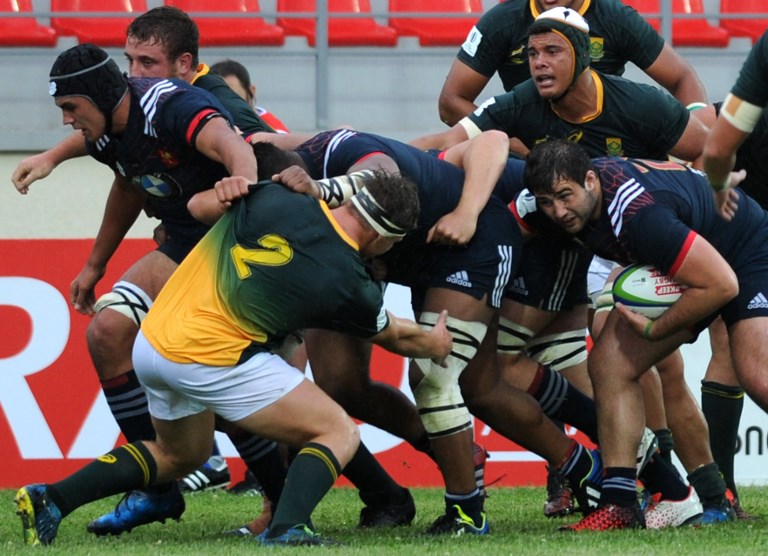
x: 332, y: 153
x: 650, y: 216
x: 481, y: 268
x: 156, y: 152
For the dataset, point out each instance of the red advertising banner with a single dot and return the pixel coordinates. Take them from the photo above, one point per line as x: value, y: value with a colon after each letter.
x: 53, y: 418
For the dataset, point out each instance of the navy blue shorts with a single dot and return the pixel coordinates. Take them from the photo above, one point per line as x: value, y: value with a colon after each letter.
x: 552, y: 276
x: 481, y: 268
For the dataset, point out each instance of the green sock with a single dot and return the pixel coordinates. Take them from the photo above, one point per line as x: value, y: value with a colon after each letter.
x: 125, y: 468
x: 722, y: 406
x: 311, y: 475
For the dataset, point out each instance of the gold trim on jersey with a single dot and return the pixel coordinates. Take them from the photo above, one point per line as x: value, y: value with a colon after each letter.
x: 337, y: 227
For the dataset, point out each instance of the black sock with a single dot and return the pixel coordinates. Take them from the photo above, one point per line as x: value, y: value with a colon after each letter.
x: 375, y: 486
x: 263, y: 459
x: 660, y: 476
x: 709, y: 485
x: 722, y: 406
x: 128, y: 403
x: 619, y: 486
x: 666, y: 443
x: 125, y: 468
x: 311, y: 475
x: 560, y: 400
x: 471, y: 504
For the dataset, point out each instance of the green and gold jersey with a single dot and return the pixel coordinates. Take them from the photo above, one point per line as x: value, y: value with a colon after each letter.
x: 617, y: 35
x: 752, y: 84
x: 632, y: 119
x: 277, y: 262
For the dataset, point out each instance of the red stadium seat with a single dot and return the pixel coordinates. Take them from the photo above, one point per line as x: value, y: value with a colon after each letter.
x: 752, y: 28
x: 23, y: 31
x: 341, y: 31
x: 685, y: 32
x: 228, y: 31
x: 104, y: 31
x: 436, y: 31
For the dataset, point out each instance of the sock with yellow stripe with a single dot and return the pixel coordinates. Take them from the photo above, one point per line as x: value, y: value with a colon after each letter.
x: 128, y: 467
x: 310, y: 477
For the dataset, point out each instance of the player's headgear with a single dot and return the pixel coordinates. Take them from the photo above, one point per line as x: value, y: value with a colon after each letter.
x: 88, y: 71
x: 573, y: 28
x: 376, y: 216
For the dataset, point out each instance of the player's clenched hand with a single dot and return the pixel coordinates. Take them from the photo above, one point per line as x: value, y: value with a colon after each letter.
x: 81, y: 291
x: 443, y: 339
x: 452, y: 229
x: 727, y: 200
x: 296, y: 179
x: 230, y: 189
x: 636, y: 321
x: 30, y: 170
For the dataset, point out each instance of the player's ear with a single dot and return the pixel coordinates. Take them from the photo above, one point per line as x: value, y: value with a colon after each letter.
x: 590, y: 181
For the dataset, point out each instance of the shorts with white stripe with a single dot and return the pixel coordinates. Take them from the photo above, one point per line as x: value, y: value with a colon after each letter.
x: 552, y: 276
x: 481, y: 268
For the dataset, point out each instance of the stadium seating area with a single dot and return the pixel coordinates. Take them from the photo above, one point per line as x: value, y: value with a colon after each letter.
x: 350, y: 23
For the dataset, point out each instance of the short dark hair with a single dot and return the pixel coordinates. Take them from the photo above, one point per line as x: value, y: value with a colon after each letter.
x: 231, y: 67
x: 553, y: 161
x: 169, y: 26
x: 273, y: 160
x: 397, y: 196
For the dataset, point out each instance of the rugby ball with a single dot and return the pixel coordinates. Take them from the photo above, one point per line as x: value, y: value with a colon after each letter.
x: 646, y: 291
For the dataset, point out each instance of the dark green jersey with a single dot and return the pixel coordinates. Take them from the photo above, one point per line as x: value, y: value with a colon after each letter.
x: 752, y: 84
x: 633, y: 119
x: 618, y: 34
x: 244, y: 116
x: 275, y: 263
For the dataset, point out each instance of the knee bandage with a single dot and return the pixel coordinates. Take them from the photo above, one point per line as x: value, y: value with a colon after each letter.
x: 128, y: 300
x: 438, y: 395
x: 512, y: 338
x: 559, y: 351
x: 604, y: 301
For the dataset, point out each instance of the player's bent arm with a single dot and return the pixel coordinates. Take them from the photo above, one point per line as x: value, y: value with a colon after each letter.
x: 285, y: 141
x: 221, y: 143
x: 39, y: 166
x: 483, y: 159
x: 671, y: 71
x: 691, y: 143
x: 441, y: 141
x: 711, y: 283
x: 210, y: 205
x: 405, y: 337
x: 720, y: 152
x: 461, y: 88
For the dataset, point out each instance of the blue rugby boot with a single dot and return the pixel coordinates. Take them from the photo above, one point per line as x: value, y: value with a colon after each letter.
x: 40, y: 517
x: 299, y: 535
x: 139, y: 507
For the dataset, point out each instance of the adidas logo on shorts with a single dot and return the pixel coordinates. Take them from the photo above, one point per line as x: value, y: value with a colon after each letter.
x: 758, y: 302
x: 518, y: 286
x: 460, y: 278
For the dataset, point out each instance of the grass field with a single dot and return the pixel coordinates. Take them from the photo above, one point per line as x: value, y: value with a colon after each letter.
x: 517, y: 527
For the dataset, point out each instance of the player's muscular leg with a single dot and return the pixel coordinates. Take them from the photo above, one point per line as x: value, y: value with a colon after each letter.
x: 616, y: 362
x: 749, y: 351
x: 340, y: 367
x: 720, y: 368
x: 508, y: 410
x: 553, y: 335
x: 685, y: 419
x: 181, y: 445
x: 111, y: 333
x: 436, y: 389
